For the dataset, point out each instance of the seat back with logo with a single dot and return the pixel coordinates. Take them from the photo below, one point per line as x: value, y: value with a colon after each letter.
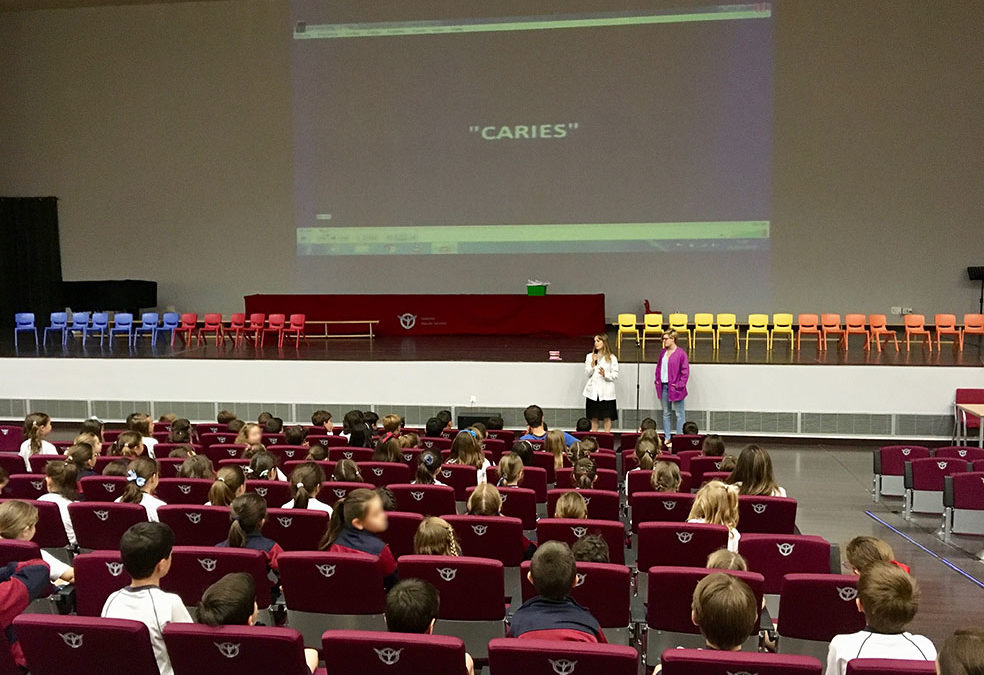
x: 496, y: 537
x: 517, y: 502
x: 99, y: 525
x: 195, y: 568
x: 604, y: 589
x: 660, y: 507
x: 97, y: 575
x: 534, y: 478
x: 102, y: 488
x: 707, y: 662
x: 550, y: 657
x: 569, y: 530
x: 776, y: 555
x: 26, y: 486
x: 700, y: 465
x: 459, y: 476
x: 924, y: 482
x: 296, y: 529
x: 427, y: 500
x: 80, y: 645
x: 679, y: 544
x: 337, y: 453
x: 183, y: 490
x: 288, y: 453
x: 234, y: 650
x: 196, y: 525
x: 356, y: 651
x: 274, y: 492
x: 813, y: 609
x: 602, y: 504
x: 332, y: 491
x: 889, y: 467
x: 768, y: 515
x: 607, y: 479
x: 381, y: 474
x: 50, y: 532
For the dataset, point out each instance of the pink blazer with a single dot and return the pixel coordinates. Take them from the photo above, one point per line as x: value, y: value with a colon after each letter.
x: 678, y: 370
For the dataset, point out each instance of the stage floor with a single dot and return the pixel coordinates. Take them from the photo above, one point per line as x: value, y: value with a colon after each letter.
x: 502, y: 349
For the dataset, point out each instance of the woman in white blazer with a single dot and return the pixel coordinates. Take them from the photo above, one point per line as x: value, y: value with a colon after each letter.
x: 601, y: 369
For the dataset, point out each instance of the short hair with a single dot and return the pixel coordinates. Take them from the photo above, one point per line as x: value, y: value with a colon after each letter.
x: 143, y: 546
x: 725, y: 610
x: 263, y: 417
x: 889, y: 597
x: 229, y: 601
x: 295, y: 435
x: 274, y: 425
x: 445, y: 417
x: 533, y: 415
x: 647, y: 423
x: 411, y: 606
x: 433, y: 427
x: 370, y: 418
x: 236, y: 425
x: 495, y: 422
x: 713, y: 446
x: 320, y: 417
x: 864, y: 550
x: 525, y: 451
x: 553, y: 570
x: 225, y: 416
x: 962, y: 653
x: 591, y: 548
x: 392, y: 423
x: 690, y: 428
x: 582, y: 424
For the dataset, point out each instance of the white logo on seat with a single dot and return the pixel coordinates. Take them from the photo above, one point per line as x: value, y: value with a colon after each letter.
x: 326, y: 570
x: 262, y: 491
x: 407, y: 321
x: 289, y: 453
x: 962, y: 453
x: 194, y: 517
x: 115, y: 568
x: 273, y: 441
x: 407, y: 456
x: 232, y: 453
x: 579, y: 531
x: 428, y: 444
x: 417, y: 495
x: 579, y: 581
x: 480, y: 530
x: 446, y: 473
x: 847, y: 593
x: 221, y: 439
x: 906, y: 451
x: 4, y: 431
x: 208, y: 564
x: 587, y: 500
x: 669, y: 505
x: 377, y: 471
x: 285, y: 521
x: 685, y: 537
x: 101, y: 515
x: 941, y: 464
x: 346, y: 454
x: 717, y: 465
x: 109, y: 487
x: 185, y: 489
x: 388, y: 655
x: 759, y: 508
x: 447, y: 573
x: 785, y: 549
x: 339, y: 492
x: 37, y: 484
x: 504, y: 497
x: 562, y: 666
x: 230, y: 650
x: 73, y: 640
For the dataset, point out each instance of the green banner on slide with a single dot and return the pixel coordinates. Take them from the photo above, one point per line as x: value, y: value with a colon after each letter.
x: 304, y: 31
x: 552, y: 238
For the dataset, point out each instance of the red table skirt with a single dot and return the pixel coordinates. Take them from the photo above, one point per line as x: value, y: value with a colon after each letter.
x: 563, y: 315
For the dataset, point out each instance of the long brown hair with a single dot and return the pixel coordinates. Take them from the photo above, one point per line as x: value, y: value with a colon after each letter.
x: 466, y: 449
x: 555, y: 445
x: 354, y: 506
x: 584, y: 474
x: 139, y: 472
x: 754, y: 471
x: 428, y: 464
x: 64, y: 478
x: 127, y: 444
x: 510, y: 468
x: 606, y: 347
x: 228, y: 480
x: 305, y: 481
x: 247, y: 513
x: 665, y: 477
x: 33, y: 424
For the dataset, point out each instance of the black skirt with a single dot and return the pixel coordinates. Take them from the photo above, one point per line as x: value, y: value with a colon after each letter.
x: 599, y: 410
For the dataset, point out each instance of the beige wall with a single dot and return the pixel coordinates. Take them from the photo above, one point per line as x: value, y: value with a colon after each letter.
x: 165, y: 130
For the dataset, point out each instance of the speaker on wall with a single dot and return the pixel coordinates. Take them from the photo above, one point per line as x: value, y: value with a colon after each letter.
x: 976, y: 273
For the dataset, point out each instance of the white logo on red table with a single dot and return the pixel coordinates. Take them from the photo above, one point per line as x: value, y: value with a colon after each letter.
x: 407, y: 320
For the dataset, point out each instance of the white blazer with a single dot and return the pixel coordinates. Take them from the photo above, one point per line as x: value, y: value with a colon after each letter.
x: 600, y: 387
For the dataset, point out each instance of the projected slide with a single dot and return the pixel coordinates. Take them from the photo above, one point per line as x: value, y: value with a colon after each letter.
x: 466, y: 128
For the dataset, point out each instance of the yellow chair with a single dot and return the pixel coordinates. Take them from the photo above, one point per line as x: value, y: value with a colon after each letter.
x: 782, y: 324
x: 652, y: 324
x: 681, y: 324
x: 758, y: 324
x: 626, y: 327
x: 727, y: 324
x: 703, y: 323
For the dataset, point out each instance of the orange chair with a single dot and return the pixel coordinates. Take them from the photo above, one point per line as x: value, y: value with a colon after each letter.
x: 830, y: 324
x: 213, y: 324
x: 294, y: 327
x: 946, y: 324
x: 854, y: 324
x: 915, y: 324
x: 186, y: 329
x: 973, y: 324
x: 879, y: 327
x: 807, y: 324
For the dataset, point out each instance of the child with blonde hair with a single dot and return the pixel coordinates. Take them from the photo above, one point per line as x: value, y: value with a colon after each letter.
x: 555, y: 445
x: 485, y: 500
x: 19, y: 520
x: 717, y: 504
x: 510, y: 470
x: 435, y: 536
x: 571, y: 505
x: 250, y: 434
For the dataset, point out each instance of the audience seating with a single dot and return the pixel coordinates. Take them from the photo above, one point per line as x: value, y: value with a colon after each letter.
x: 660, y: 507
x: 97, y: 575
x: 767, y: 515
x: 196, y: 525
x: 26, y: 486
x: 517, y: 503
x: 915, y: 326
x: 708, y: 662
x: 353, y: 651
x: 776, y: 555
x: 332, y: 491
x: 684, y: 442
x: 183, y: 490
x: 700, y: 464
x: 641, y: 481
x: 471, y: 591
x: 605, y: 439
x: 331, y: 590
x: 889, y: 468
x: 273, y: 439
x: 400, y: 532
x: 326, y: 441
x: 275, y: 493
x: 602, y: 504
x: 427, y: 500
x: 195, y: 568
x: 14, y: 550
x: 923, y: 483
x: 81, y: 645
x: 234, y: 650
x: 569, y: 530
x: 676, y: 545
x: 288, y: 453
x: 813, y: 608
x: 358, y: 455
x: 889, y: 667
x: 965, y: 452
x: 669, y: 606
x: 963, y: 503
x: 534, y: 478
x: 461, y: 477
x: 607, y: 479
x: 549, y: 657
x: 296, y: 529
x: 381, y: 474
x: 50, y: 531
x: 99, y: 525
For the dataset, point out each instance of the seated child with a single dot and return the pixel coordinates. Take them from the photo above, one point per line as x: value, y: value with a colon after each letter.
x: 690, y: 428
x: 197, y: 466
x: 889, y: 599
x: 37, y: 426
x: 552, y: 614
x: 584, y: 475
x: 717, y: 504
x: 862, y: 551
x: 354, y: 527
x: 84, y: 458
x: 305, y: 485
x: 753, y: 474
x: 510, y: 470
x: 248, y: 515
x: 412, y: 606
x: 296, y: 435
x: 346, y: 471
x: 60, y: 479
x: 317, y: 453
x: 18, y: 520
x: 485, y: 500
x: 713, y: 446
x: 962, y: 653
x: 145, y: 549
x: 429, y: 462
x: 591, y: 548
x: 571, y: 505
x: 582, y: 424
x: 230, y: 482
x: 321, y: 421
x: 21, y: 583
x: 647, y: 424
x: 142, y: 477
x: 435, y: 536
x: 665, y: 477
x: 723, y: 559
x: 264, y: 466
x: 725, y: 610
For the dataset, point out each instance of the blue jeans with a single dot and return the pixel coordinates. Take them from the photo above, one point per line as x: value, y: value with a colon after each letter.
x: 669, y: 407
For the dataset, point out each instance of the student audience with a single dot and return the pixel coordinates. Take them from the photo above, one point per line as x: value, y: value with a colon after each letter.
x: 536, y: 427
x: 322, y: 423
x: 571, y: 505
x: 346, y: 471
x: 305, y: 485
x: 143, y: 424
x: 429, y: 462
x: 37, y: 426
x: 717, y: 504
x: 862, y: 551
x: 666, y: 477
x: 412, y: 606
x: 230, y: 482
x: 247, y: 515
x: 355, y: 525
x: 753, y: 474
x: 142, y: 477
x: 510, y: 470
x: 591, y: 548
x: 19, y: 520
x: 435, y: 536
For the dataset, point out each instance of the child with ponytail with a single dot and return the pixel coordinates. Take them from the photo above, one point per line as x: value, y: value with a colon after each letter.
x: 129, y: 444
x: 305, y: 484
x: 230, y: 483
x: 354, y: 528
x: 584, y: 475
x: 511, y: 470
x: 428, y: 464
x: 264, y: 466
x: 142, y: 476
x: 36, y: 427
x: 142, y: 424
x: 466, y: 448
x: 247, y: 515
x: 250, y: 434
x: 83, y: 457
x: 346, y: 471
x: 61, y: 482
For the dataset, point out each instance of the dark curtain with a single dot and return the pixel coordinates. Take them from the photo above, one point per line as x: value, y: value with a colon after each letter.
x: 30, y: 258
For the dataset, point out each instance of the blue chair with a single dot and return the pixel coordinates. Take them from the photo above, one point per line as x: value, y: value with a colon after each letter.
x: 100, y: 324
x: 59, y: 324
x: 80, y: 323
x: 122, y: 324
x: 24, y: 323
x: 148, y: 326
x: 170, y: 321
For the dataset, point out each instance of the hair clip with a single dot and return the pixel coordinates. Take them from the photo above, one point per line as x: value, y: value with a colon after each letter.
x: 132, y: 477
x: 300, y: 485
x: 474, y: 434
x: 221, y: 479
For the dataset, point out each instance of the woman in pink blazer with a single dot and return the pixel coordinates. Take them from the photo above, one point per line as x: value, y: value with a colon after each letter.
x: 672, y: 373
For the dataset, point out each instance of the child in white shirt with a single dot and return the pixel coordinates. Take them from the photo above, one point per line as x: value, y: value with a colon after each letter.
x: 36, y: 427
x: 61, y: 481
x: 305, y: 484
x: 717, y: 504
x: 142, y: 478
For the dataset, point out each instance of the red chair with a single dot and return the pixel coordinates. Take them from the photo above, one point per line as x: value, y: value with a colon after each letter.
x: 183, y: 490
x: 963, y: 504
x: 605, y: 439
x: 352, y: 651
x: 50, y: 530
x: 495, y: 537
x: 275, y: 324
x: 222, y: 451
x: 12, y: 463
x: 400, y: 532
x: 830, y: 324
x: 471, y: 591
x: 965, y: 423
x: 10, y: 438
x: 381, y: 474
x: 534, y: 478
x: 195, y: 568
x: 427, y: 500
x: 854, y: 324
x: 233, y: 650
x: 808, y: 324
x: 707, y: 662
x: 79, y: 645
x: 332, y: 491
x: 813, y: 608
x: 38, y: 462
x: 99, y: 526
x: 968, y: 453
x: 889, y: 468
x: 670, y: 598
x: 14, y: 550
x: 923, y: 483
x: 915, y: 326
x: 328, y: 590
x: 604, y: 459
x: 946, y: 324
x: 213, y: 324
x: 274, y: 492
x: 878, y: 325
x: 294, y: 327
x: 209, y: 439
x: 549, y: 657
x: 296, y: 529
x: 507, y: 436
x: 570, y: 530
x: 516, y: 503
x: 677, y: 545
x: 687, y: 443
x: 435, y: 443
x: 237, y: 328
x: 186, y: 329
x: 607, y: 479
x: 700, y: 465
x: 660, y: 507
x: 26, y: 486
x: 196, y: 525
x: 326, y: 441
x: 627, y: 441
x: 641, y: 481
x: 288, y: 453
x: 766, y: 515
x: 776, y: 555
x: 496, y: 446
x: 98, y: 575
x: 889, y: 667
x: 355, y: 454
x: 461, y: 477
x: 254, y: 328
x: 602, y: 504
